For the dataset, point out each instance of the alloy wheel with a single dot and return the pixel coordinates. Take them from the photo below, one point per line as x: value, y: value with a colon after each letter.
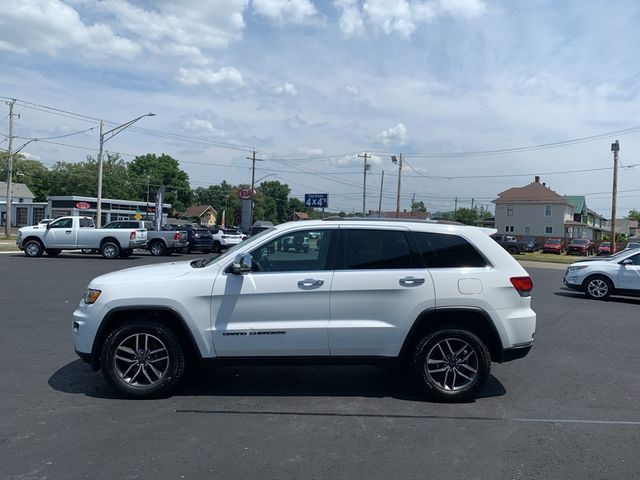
x: 598, y: 288
x: 141, y: 360
x: 452, y: 364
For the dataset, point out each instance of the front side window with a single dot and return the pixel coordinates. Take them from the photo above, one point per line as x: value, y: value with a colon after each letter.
x: 547, y: 210
x: 441, y: 250
x: 62, y: 223
x: 304, y: 250
x: 635, y: 259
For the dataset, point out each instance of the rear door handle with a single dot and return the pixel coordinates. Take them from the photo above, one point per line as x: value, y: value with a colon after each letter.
x: 310, y: 283
x: 411, y: 281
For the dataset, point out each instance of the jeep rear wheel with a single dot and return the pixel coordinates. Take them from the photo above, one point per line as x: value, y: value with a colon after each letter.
x: 142, y: 359
x: 450, y: 365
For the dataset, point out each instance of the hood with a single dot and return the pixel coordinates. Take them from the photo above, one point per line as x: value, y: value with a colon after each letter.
x: 34, y: 228
x: 601, y: 258
x: 147, y: 273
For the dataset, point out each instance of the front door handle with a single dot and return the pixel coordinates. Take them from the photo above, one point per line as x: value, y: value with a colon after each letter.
x: 310, y: 283
x: 411, y: 281
x: 67, y: 231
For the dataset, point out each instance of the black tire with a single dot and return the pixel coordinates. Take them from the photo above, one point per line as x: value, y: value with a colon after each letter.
x: 157, y: 249
x: 440, y: 383
x: 597, y: 287
x: 110, y: 250
x: 126, y: 253
x: 512, y: 250
x: 53, y: 252
x: 137, y: 372
x: 217, y: 247
x: 33, y: 248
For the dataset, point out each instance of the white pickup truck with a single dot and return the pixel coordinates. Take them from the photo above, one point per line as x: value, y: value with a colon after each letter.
x: 72, y: 233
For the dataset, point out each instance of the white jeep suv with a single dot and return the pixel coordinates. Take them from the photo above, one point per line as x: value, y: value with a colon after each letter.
x: 444, y: 300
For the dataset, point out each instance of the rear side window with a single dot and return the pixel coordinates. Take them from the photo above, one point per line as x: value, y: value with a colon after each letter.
x: 441, y: 250
x: 376, y: 249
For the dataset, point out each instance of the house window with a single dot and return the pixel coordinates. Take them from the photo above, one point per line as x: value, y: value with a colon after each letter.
x: 548, y: 229
x: 527, y: 230
x: 509, y: 229
x: 510, y: 210
x: 547, y: 210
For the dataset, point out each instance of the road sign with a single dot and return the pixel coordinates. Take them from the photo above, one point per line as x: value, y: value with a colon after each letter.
x: 137, y: 216
x: 245, y: 193
x: 317, y: 200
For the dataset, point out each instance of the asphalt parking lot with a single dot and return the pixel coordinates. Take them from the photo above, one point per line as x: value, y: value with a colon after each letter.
x: 567, y: 411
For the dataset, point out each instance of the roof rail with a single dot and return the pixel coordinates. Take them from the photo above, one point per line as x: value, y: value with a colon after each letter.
x: 379, y: 219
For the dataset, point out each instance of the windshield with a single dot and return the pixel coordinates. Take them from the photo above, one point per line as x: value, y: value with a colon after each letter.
x: 605, y: 244
x: 206, y: 261
x: 580, y: 242
x: 553, y: 241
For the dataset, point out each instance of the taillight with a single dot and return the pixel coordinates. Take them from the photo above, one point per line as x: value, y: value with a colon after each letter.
x: 523, y: 285
x: 132, y: 236
x: 176, y: 237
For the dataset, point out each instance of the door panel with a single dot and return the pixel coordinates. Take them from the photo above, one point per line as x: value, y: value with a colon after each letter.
x: 61, y: 234
x: 629, y: 276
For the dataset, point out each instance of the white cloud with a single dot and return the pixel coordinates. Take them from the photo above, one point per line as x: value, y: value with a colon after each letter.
x: 400, y: 16
x: 205, y: 76
x: 394, y: 136
x: 286, y: 89
x: 310, y: 151
x: 286, y: 11
x: 51, y: 26
x: 355, y: 160
x: 198, y: 126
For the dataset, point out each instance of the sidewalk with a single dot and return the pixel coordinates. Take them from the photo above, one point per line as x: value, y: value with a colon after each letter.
x: 548, y: 265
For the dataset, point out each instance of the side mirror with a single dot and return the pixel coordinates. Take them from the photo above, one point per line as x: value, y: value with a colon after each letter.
x: 48, y: 225
x: 241, y: 264
x: 626, y: 261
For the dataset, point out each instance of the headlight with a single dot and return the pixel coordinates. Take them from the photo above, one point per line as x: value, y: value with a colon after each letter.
x: 573, y: 268
x: 19, y: 234
x: 91, y: 295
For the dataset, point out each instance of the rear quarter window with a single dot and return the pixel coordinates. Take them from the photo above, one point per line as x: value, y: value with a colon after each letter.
x: 441, y: 250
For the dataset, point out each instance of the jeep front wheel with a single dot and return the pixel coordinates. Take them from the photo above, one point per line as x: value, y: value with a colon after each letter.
x: 451, y: 365
x: 142, y: 359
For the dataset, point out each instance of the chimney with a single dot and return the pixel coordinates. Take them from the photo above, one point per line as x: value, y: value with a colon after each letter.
x: 537, y: 179
x: 544, y: 184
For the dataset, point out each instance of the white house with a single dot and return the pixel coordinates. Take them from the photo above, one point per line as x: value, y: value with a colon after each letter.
x: 24, y: 211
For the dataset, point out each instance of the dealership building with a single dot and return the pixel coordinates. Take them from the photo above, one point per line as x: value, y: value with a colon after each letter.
x: 65, y: 205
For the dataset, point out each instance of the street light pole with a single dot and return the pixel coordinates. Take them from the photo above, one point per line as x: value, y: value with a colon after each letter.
x: 615, y: 148
x: 105, y: 136
x: 399, y: 162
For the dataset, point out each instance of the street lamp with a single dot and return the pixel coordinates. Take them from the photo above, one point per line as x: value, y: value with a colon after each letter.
x: 104, y: 136
x: 394, y: 159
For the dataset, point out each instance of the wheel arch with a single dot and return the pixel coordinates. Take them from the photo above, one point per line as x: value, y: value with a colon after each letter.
x: 110, y: 239
x: 166, y: 316
x: 33, y: 237
x: 473, y: 319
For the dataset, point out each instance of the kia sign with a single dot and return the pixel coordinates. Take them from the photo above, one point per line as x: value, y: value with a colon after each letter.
x: 245, y: 193
x: 318, y: 200
x: 83, y: 205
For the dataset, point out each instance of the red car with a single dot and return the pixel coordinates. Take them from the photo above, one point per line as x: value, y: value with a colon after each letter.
x: 553, y: 245
x: 604, y: 248
x: 581, y: 246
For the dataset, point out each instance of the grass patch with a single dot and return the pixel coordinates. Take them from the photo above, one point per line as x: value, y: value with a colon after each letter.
x: 547, y: 257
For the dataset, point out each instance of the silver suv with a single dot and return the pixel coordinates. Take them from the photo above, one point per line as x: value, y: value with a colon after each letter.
x: 443, y: 300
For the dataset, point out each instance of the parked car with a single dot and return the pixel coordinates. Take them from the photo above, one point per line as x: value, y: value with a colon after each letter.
x: 553, y: 245
x: 581, y: 246
x: 44, y: 222
x: 73, y: 233
x: 260, y: 226
x: 509, y: 243
x: 224, y: 238
x: 158, y: 242
x: 530, y: 244
x: 298, y: 243
x: 199, y: 239
x: 369, y: 292
x: 604, y: 248
x: 633, y: 245
x: 598, y: 279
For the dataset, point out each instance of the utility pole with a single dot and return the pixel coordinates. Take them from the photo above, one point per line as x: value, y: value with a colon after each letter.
x: 455, y: 208
x: 253, y: 181
x: 399, y: 162
x: 380, y: 201
x: 615, y: 148
x: 148, y: 180
x: 364, y: 184
x: 472, y: 200
x: 7, y: 218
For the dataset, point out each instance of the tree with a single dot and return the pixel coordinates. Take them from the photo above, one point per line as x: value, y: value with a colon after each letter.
x: 30, y: 172
x: 418, y: 207
x: 295, y: 205
x: 633, y: 215
x: 279, y: 194
x: 221, y: 197
x: 468, y: 216
x: 156, y: 171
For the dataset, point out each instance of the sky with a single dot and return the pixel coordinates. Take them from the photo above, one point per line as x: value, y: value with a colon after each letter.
x: 457, y: 86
